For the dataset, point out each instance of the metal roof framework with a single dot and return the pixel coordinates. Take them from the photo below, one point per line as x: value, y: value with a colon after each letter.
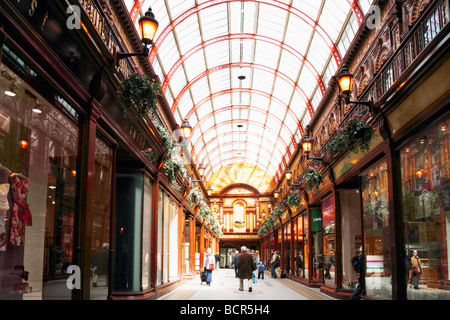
x: 248, y: 72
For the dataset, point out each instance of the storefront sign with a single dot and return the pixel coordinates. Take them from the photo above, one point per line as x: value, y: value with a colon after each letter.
x: 316, y: 220
x: 197, y: 261
x: 240, y: 236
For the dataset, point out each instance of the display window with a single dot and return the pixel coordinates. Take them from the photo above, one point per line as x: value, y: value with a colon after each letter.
x: 287, y: 248
x: 147, y: 219
x: 187, y: 239
x: 425, y: 170
x: 377, y: 235
x: 351, y: 234
x: 299, y: 247
x: 328, y: 223
x: 306, y: 253
x: 101, y: 220
x: 317, y: 244
x: 160, y: 238
x: 173, y: 241
x: 38, y: 161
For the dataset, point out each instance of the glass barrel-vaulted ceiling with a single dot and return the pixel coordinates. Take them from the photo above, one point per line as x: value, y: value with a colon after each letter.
x: 248, y: 76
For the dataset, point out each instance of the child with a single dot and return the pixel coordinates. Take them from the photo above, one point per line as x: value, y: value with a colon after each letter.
x: 261, y: 266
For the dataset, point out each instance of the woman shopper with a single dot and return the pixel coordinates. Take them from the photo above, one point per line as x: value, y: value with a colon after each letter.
x: 208, y: 266
x: 416, y: 270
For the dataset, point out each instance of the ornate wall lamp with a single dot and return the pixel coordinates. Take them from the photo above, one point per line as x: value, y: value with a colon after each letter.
x: 345, y: 81
x: 307, y: 147
x: 147, y: 27
x: 201, y: 171
x: 209, y: 191
x: 288, y: 175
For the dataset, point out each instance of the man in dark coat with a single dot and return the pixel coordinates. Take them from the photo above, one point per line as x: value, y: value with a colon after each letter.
x: 235, y: 265
x: 246, y: 265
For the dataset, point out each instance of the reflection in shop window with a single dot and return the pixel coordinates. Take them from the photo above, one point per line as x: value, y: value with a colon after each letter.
x: 377, y: 238
x: 38, y: 183
x: 425, y: 171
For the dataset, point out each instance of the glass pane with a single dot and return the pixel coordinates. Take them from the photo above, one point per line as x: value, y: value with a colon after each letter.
x: 350, y: 234
x: 101, y: 220
x: 38, y: 157
x: 147, y: 233
x: 166, y: 222
x: 316, y: 254
x: 377, y: 242
x: 425, y: 170
x: 160, y: 242
x: 328, y: 223
x: 173, y: 243
x: 305, y: 246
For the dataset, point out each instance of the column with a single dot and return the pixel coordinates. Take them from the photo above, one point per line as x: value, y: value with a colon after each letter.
x: 156, y: 213
x: 181, y: 240
x: 191, y: 244
x: 202, y: 246
x: 83, y: 226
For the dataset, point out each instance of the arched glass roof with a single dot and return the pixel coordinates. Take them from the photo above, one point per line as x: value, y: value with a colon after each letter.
x: 248, y: 75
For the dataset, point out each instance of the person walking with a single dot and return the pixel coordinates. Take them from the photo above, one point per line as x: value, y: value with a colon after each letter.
x: 235, y: 265
x: 208, y: 266
x: 246, y: 265
x: 261, y: 266
x: 358, y: 267
x: 274, y: 262
x: 217, y: 257
x: 100, y: 262
x: 416, y: 270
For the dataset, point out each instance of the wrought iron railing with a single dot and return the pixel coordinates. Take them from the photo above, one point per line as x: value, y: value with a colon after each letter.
x: 104, y: 29
x: 410, y: 49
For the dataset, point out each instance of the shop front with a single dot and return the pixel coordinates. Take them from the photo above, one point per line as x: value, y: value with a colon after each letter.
x: 425, y: 220
x: 39, y: 161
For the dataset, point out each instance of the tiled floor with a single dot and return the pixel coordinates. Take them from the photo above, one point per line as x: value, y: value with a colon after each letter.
x: 225, y: 286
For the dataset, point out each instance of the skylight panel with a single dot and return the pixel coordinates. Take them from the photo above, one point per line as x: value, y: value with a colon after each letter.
x: 310, y: 8
x: 177, y: 7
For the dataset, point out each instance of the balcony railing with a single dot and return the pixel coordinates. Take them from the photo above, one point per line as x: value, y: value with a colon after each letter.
x: 411, y: 48
x: 105, y: 31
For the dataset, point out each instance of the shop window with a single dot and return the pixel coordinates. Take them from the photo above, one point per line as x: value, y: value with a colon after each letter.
x: 351, y: 234
x: 377, y: 236
x: 328, y: 224
x: 425, y: 168
x: 306, y: 253
x: 165, y: 275
x: 38, y: 194
x: 287, y: 248
x: 173, y: 242
x: 147, y: 233
x: 299, y: 245
x: 101, y: 204
x: 316, y: 245
x: 160, y: 238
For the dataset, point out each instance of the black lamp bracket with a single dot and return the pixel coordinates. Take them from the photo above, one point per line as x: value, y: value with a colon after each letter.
x: 122, y: 55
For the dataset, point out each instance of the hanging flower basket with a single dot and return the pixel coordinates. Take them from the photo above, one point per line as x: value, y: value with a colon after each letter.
x: 140, y: 93
x: 195, y: 196
x: 356, y: 135
x: 166, y: 138
x: 152, y: 155
x: 313, y: 178
x: 293, y: 199
x: 172, y: 167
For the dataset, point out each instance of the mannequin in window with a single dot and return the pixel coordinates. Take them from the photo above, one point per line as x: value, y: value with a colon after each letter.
x: 5, y: 204
x: 20, y: 212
